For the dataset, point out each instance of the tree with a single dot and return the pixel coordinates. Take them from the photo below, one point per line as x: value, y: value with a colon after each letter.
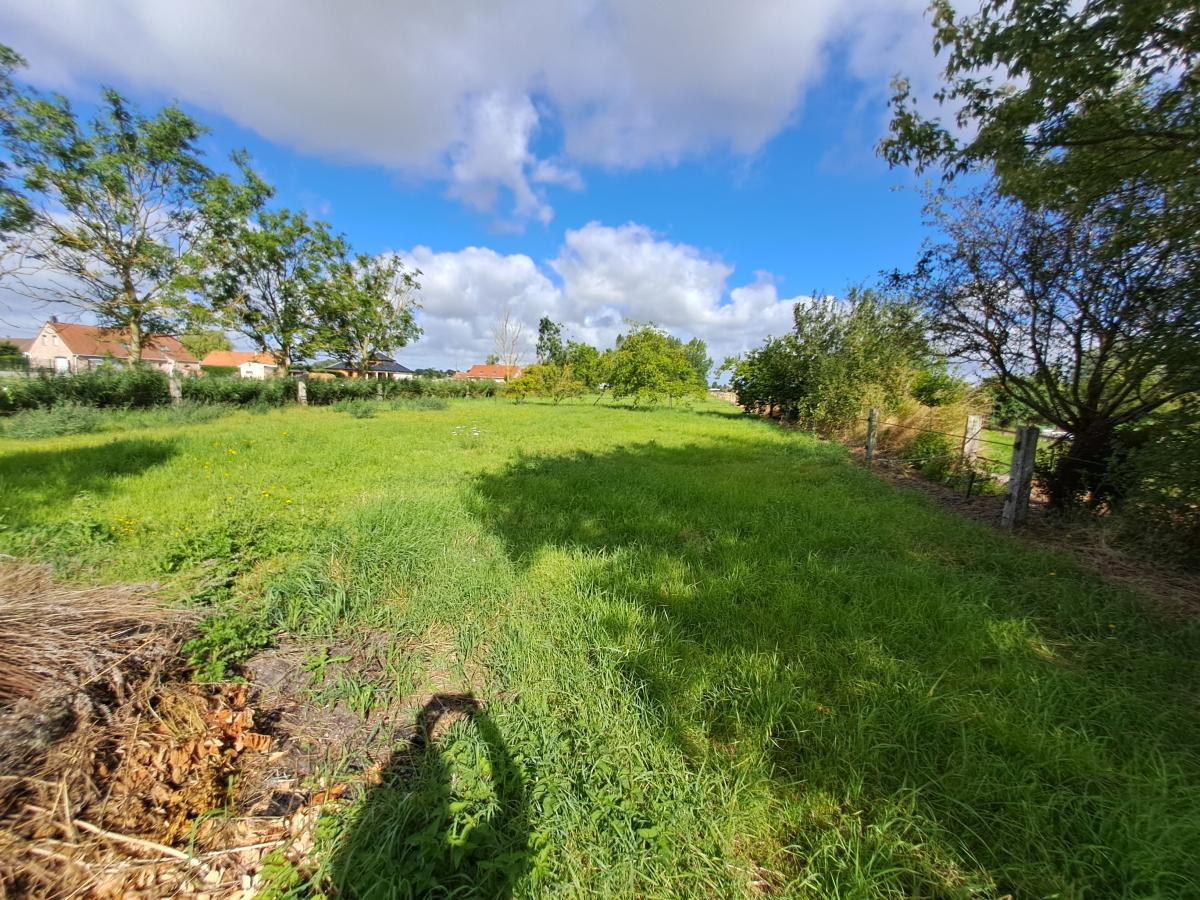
x: 506, y: 338
x: 550, y: 347
x: 584, y: 360
x: 545, y: 380
x: 201, y: 343
x: 112, y: 209
x: 1086, y: 329
x: 649, y: 364
x: 368, y: 310
x: 697, y: 353
x: 11, y: 357
x: 15, y: 211
x: 268, y: 278
x: 842, y: 356
x: 1067, y: 102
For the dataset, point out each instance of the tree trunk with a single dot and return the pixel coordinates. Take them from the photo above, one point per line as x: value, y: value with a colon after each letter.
x: 1080, y: 473
x: 135, y: 342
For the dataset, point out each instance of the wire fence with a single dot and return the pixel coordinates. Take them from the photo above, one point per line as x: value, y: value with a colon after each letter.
x: 963, y: 466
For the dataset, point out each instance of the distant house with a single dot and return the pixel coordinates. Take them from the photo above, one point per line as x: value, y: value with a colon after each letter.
x: 489, y: 372
x: 69, y: 347
x: 381, y: 367
x: 248, y: 365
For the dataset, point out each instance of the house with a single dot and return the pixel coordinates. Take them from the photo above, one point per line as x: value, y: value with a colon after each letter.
x: 489, y: 372
x: 248, y: 365
x: 381, y: 367
x: 71, y: 347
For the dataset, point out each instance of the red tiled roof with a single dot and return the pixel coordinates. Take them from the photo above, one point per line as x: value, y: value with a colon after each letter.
x: 92, y: 340
x: 483, y: 370
x: 236, y: 358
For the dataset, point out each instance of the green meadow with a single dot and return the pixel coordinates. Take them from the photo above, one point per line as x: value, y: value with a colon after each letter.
x: 713, y: 658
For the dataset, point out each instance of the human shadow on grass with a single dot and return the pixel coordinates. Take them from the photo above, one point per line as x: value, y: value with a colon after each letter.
x: 449, y: 816
x: 35, y: 481
x: 883, y: 647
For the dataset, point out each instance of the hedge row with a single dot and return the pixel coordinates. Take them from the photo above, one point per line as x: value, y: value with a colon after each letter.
x: 102, y: 388
x: 144, y: 388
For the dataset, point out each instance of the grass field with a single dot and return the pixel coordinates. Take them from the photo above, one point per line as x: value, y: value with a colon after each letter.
x: 716, y: 658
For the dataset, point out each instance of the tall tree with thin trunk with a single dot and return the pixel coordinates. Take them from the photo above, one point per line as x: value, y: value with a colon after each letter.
x: 114, y: 209
x: 506, y: 340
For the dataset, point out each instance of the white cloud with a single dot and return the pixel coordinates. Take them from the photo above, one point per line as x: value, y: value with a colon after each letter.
x: 608, y: 276
x: 461, y: 90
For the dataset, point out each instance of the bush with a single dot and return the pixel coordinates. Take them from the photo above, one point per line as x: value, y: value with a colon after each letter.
x: 54, y: 421
x: 359, y: 409
x: 239, y: 391
x: 143, y: 388
x: 106, y: 388
x: 419, y: 403
x: 932, y: 455
x: 1156, y: 479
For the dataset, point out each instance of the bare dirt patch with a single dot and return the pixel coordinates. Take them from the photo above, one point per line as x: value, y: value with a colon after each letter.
x: 120, y: 777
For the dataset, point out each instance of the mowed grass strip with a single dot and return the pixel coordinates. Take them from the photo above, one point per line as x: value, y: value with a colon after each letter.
x: 716, y: 658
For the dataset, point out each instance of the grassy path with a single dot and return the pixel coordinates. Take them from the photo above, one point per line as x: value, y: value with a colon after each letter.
x: 717, y: 659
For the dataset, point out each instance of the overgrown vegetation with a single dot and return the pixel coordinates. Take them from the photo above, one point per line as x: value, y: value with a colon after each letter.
x: 730, y: 659
x: 1071, y: 277
x: 841, y: 358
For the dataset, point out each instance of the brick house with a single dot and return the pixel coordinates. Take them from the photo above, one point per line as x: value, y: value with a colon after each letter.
x: 69, y: 347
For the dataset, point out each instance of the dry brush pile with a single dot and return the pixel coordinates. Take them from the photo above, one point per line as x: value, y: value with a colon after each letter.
x: 112, y: 762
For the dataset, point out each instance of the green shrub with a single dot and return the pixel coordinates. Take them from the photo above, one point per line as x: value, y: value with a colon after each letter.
x: 1155, y: 475
x: 419, y: 403
x: 54, y: 421
x: 109, y: 387
x: 239, y: 391
x: 932, y: 455
x: 359, y: 409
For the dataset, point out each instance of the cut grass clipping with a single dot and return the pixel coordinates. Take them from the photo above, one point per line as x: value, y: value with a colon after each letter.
x: 695, y: 655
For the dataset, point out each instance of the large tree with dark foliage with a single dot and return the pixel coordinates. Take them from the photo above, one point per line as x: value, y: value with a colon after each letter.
x: 1074, y: 278
x: 1088, y: 330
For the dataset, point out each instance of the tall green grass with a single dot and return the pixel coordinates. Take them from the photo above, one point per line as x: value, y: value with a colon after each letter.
x: 713, y: 658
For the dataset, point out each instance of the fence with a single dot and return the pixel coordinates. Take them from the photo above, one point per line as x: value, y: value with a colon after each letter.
x: 973, y: 463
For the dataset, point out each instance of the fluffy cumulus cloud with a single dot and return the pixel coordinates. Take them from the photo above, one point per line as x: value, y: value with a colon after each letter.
x: 606, y: 277
x: 462, y: 90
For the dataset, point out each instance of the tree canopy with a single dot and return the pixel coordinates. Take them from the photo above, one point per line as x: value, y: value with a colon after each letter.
x: 112, y: 211
x: 648, y: 364
x: 270, y: 277
x: 368, y: 309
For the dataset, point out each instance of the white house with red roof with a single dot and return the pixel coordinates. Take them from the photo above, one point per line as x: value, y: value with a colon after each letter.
x: 248, y: 364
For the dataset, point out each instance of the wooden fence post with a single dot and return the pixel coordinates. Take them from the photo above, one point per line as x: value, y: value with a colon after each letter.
x: 970, y: 443
x: 1020, y: 477
x: 872, y: 427
x: 175, y: 389
x: 302, y: 392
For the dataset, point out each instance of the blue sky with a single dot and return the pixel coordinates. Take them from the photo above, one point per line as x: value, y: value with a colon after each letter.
x: 701, y: 165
